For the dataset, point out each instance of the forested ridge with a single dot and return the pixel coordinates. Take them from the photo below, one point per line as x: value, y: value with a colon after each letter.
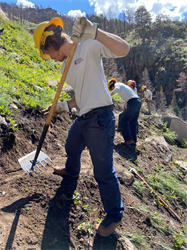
x: 158, y: 56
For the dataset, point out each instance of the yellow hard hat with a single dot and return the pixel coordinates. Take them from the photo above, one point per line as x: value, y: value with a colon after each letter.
x: 143, y: 87
x: 110, y: 82
x: 40, y: 36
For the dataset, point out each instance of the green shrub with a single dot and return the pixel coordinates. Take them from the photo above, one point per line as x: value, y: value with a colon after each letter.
x: 22, y: 69
x: 184, y: 143
x: 3, y: 101
x: 170, y: 136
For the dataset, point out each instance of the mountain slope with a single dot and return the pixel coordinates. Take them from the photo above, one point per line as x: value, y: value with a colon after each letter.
x: 47, y: 212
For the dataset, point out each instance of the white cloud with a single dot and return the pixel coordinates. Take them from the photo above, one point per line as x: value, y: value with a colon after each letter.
x: 76, y: 13
x: 169, y: 7
x: 25, y: 3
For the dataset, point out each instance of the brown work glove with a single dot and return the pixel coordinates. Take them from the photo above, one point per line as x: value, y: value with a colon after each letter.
x: 80, y: 34
x: 60, y: 108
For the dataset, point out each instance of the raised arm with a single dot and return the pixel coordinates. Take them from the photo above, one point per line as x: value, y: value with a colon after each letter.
x: 115, y: 43
x: 90, y: 31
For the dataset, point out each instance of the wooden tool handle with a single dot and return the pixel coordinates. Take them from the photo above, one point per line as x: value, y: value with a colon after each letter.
x: 164, y: 203
x: 63, y: 78
x: 60, y: 86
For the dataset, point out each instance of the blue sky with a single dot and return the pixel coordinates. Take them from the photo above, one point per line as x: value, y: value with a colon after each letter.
x: 62, y: 6
x: 175, y: 10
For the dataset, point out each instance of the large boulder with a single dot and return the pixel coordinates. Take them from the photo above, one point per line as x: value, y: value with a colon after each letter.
x: 161, y: 145
x: 178, y: 125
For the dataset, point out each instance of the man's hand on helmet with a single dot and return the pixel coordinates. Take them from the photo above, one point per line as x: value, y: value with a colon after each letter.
x: 81, y: 34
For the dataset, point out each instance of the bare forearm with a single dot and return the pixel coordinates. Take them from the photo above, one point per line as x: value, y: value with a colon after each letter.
x: 72, y: 103
x: 116, y: 44
x: 124, y: 106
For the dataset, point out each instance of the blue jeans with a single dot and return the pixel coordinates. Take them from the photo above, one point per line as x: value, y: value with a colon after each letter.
x: 97, y: 133
x: 129, y: 120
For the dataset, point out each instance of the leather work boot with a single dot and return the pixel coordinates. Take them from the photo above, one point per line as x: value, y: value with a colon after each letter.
x: 62, y: 171
x: 128, y: 142
x: 108, y: 230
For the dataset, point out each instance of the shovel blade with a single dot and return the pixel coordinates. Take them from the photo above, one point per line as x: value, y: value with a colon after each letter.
x: 26, y: 161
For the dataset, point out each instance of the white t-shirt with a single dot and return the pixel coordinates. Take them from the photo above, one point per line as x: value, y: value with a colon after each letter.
x: 148, y: 94
x: 86, y: 76
x: 124, y: 91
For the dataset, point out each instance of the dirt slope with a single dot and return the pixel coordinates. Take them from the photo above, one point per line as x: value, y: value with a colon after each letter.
x: 44, y: 211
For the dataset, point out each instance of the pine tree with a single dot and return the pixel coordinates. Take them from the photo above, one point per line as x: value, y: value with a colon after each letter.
x: 162, y: 101
x: 142, y: 18
x: 145, y: 80
x: 174, y: 104
x: 182, y: 82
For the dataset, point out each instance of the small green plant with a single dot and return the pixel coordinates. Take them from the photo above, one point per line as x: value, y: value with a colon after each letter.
x: 178, y: 241
x: 5, y: 111
x: 184, y: 143
x: 86, y: 208
x: 17, y: 145
x: 153, y: 133
x: 165, y: 247
x: 13, y: 124
x: 76, y: 197
x: 136, y: 238
x: 158, y: 224
x: 88, y: 226
x: 98, y: 220
x: 184, y: 228
x: 183, y: 159
x: 170, y: 136
x: 3, y: 101
x: 158, y: 168
x: 141, y: 151
x: 139, y: 188
x: 170, y: 186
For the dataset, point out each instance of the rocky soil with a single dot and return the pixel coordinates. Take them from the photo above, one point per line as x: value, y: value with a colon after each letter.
x: 46, y: 211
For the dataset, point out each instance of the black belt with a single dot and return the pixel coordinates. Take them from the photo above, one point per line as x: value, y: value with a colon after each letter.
x: 132, y: 99
x: 97, y: 111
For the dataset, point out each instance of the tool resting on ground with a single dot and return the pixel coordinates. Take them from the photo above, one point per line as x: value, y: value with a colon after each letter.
x: 163, y: 202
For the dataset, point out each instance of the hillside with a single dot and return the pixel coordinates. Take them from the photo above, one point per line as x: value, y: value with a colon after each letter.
x: 160, y: 48
x: 164, y: 58
x: 45, y: 211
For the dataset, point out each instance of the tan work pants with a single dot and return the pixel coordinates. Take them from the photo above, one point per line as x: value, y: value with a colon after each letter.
x: 148, y: 103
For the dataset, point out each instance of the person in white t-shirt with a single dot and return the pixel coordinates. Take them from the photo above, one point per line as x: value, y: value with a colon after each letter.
x: 147, y: 97
x: 129, y: 118
x: 94, y: 127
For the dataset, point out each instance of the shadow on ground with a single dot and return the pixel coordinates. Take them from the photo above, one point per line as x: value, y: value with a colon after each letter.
x: 15, y: 207
x: 56, y: 232
x: 128, y: 152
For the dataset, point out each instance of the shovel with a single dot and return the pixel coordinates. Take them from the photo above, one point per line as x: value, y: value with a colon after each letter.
x: 37, y: 157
